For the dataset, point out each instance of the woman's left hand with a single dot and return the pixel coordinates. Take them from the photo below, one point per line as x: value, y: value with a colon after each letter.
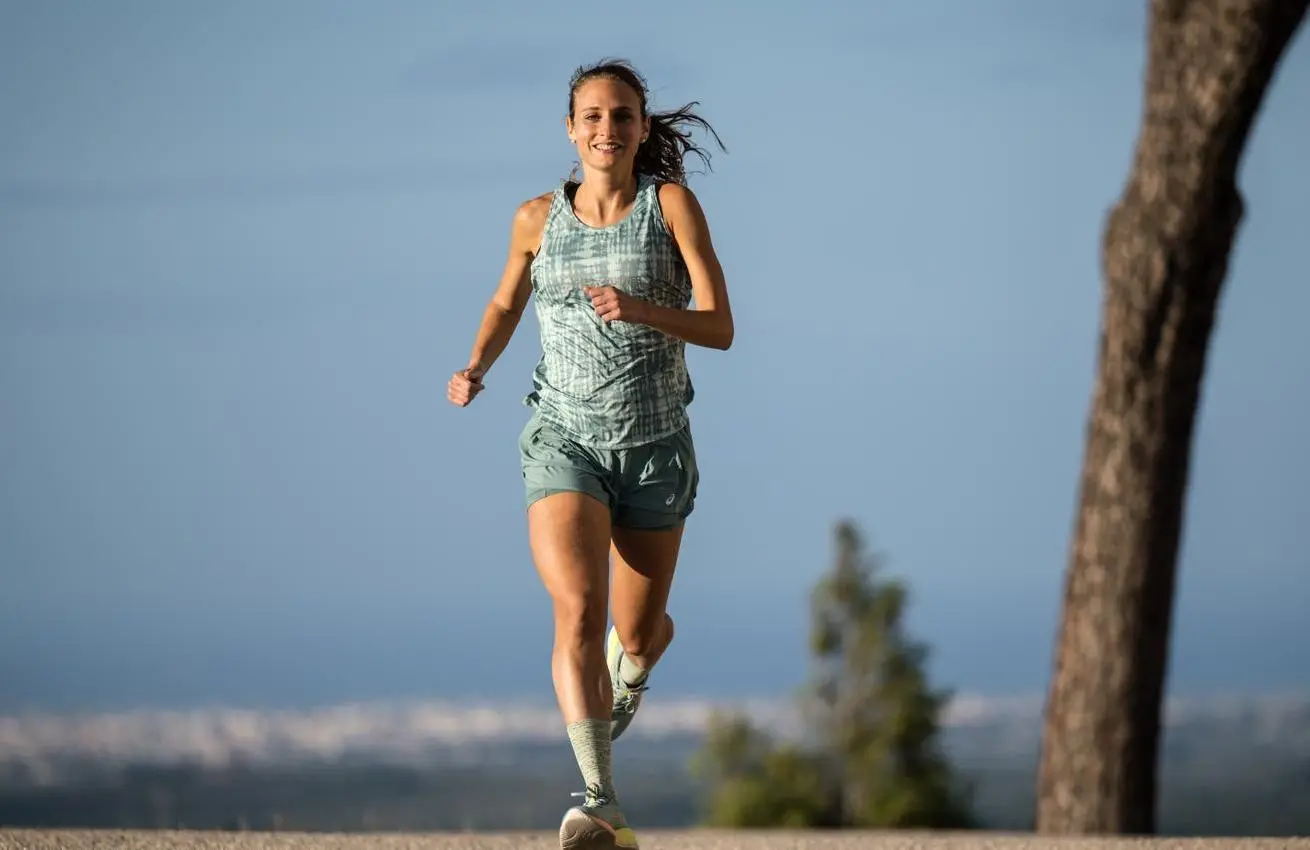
x: 611, y: 304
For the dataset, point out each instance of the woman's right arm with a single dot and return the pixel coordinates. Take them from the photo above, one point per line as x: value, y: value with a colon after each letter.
x: 507, y: 303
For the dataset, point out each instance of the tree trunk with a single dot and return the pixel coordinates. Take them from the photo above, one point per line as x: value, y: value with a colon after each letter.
x: 1165, y: 257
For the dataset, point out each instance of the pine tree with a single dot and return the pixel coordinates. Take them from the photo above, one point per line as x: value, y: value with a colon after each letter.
x: 869, y: 756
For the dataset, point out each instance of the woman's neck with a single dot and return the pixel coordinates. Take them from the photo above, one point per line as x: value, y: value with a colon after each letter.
x: 604, y: 197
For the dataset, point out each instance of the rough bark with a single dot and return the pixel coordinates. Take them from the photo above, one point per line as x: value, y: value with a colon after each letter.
x: 1164, y: 260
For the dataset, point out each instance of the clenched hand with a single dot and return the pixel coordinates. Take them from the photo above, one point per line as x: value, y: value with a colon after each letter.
x: 611, y: 304
x: 465, y: 385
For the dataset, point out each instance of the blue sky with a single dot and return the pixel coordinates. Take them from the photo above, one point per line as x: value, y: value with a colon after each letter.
x: 242, y: 247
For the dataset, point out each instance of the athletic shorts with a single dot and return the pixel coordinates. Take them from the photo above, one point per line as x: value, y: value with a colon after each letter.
x: 652, y: 486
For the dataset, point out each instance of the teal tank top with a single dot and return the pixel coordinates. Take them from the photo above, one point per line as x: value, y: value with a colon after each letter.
x: 620, y: 384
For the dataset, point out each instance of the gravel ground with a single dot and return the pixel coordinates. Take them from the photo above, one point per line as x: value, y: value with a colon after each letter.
x: 650, y: 840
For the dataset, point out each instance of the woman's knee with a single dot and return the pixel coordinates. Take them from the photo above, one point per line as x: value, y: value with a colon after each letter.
x: 569, y: 533
x: 580, y: 618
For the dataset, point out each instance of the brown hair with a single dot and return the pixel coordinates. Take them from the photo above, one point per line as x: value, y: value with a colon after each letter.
x: 662, y: 154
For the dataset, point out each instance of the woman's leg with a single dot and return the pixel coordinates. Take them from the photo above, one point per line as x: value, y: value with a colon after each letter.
x: 569, y: 534
x: 653, y: 505
x: 644, y: 563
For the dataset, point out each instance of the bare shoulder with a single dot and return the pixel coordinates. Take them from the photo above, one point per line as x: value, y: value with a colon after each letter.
x: 531, y: 214
x: 530, y: 221
x: 682, y: 213
x: 679, y: 200
x: 534, y: 208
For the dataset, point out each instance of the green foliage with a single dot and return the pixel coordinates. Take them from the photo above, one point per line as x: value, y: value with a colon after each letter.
x: 869, y: 757
x: 760, y: 783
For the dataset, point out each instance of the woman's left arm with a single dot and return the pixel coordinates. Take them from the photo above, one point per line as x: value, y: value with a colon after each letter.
x: 709, y: 323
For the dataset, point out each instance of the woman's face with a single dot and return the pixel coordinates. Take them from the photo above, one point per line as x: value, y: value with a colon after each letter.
x: 607, y: 125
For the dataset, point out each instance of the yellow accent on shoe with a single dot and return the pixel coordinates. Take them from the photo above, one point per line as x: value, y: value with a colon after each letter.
x: 584, y: 830
x: 613, y: 652
x: 626, y: 700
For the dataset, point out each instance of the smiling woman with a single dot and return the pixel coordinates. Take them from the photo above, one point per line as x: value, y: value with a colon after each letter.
x: 615, y: 260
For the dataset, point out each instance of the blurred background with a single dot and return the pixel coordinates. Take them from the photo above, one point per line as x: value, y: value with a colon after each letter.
x: 246, y: 544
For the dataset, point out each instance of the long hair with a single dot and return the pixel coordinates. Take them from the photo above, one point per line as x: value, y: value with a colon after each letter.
x: 663, y: 153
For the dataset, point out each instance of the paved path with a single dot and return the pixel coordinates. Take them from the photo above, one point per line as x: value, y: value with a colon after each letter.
x: 650, y: 840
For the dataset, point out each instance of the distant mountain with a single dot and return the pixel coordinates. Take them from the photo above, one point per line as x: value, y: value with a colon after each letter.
x: 1233, y: 766
x: 47, y: 749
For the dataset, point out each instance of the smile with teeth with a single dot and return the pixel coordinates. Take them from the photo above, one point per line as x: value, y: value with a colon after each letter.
x: 608, y: 147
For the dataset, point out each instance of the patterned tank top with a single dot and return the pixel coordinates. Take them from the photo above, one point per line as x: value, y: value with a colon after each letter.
x: 612, y: 385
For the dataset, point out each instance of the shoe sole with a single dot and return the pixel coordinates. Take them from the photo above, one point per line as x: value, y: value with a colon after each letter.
x: 579, y: 832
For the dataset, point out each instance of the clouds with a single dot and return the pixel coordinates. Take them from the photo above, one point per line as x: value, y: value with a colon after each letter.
x: 408, y: 731
x: 418, y: 731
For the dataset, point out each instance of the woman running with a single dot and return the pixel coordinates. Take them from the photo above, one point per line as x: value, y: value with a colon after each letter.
x: 608, y: 462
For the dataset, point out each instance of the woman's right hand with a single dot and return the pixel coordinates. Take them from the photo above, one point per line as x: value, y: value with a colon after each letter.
x: 465, y: 385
